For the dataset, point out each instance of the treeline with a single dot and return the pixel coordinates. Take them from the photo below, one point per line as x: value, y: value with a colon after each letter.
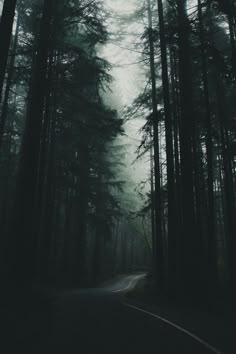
x: 189, y: 105
x: 59, y: 205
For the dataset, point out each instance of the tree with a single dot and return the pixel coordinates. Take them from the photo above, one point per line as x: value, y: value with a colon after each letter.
x: 172, y: 230
x: 6, y: 24
x: 157, y: 176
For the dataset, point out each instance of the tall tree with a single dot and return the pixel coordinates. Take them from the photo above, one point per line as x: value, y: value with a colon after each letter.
x: 3, y: 115
x: 172, y: 229
x: 157, y: 174
x: 24, y: 226
x: 212, y: 252
x: 189, y: 258
x: 6, y: 24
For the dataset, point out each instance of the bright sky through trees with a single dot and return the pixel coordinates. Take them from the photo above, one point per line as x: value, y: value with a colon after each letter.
x: 121, y: 5
x: 128, y: 79
x: 120, y: 54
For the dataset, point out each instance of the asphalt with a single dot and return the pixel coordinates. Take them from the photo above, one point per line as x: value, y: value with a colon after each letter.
x: 98, y: 321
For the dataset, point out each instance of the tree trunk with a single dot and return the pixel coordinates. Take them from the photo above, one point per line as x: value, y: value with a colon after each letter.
x: 79, y: 259
x: 172, y: 225
x: 176, y: 125
x: 44, y: 158
x: 157, y: 174
x: 211, y: 254
x: 154, y: 256
x: 22, y: 233
x: 114, y: 251
x: 232, y: 35
x: 6, y: 24
x: 99, y: 234
x: 8, y: 86
x: 230, y: 210
x: 189, y: 256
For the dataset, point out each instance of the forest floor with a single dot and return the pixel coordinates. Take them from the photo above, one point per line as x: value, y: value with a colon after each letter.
x: 214, y: 322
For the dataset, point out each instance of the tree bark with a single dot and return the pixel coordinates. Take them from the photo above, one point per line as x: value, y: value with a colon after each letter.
x: 172, y: 225
x: 8, y: 86
x: 230, y: 209
x: 23, y: 217
x: 211, y: 248
x: 189, y: 256
x: 6, y: 24
x: 154, y: 256
x: 157, y: 174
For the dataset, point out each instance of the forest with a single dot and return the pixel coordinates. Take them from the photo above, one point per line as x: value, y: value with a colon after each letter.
x: 71, y: 216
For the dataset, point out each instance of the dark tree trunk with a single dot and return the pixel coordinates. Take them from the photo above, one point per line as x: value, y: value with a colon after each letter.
x: 44, y: 161
x: 172, y: 229
x: 157, y: 174
x: 49, y: 192
x: 23, y: 218
x: 230, y: 210
x: 211, y: 254
x: 79, y: 258
x: 199, y: 197
x: 114, y: 259
x: 232, y: 34
x: 6, y: 24
x: 176, y: 126
x: 154, y: 256
x: 189, y: 255
x: 99, y: 234
x: 8, y: 86
x: 176, y: 118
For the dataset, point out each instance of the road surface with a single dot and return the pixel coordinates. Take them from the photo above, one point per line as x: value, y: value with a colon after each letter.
x: 98, y: 321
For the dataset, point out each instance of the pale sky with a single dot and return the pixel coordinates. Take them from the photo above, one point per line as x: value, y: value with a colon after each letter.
x: 128, y: 82
x: 120, y: 54
x: 121, y: 5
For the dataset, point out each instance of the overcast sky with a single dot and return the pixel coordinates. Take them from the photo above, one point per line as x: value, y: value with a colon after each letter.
x: 128, y: 82
x: 126, y: 74
x: 121, y: 5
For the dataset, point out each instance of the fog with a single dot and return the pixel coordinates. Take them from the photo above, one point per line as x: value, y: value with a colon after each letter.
x: 128, y: 82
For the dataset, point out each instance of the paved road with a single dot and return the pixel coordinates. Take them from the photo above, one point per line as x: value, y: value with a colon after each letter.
x: 96, y: 321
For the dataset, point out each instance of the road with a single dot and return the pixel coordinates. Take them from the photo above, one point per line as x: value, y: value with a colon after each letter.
x: 98, y: 321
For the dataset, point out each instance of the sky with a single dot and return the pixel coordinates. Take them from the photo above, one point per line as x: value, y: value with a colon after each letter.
x: 128, y: 82
x: 121, y: 55
x: 121, y: 5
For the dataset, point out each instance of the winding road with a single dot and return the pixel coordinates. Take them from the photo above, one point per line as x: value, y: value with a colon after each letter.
x: 100, y: 321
